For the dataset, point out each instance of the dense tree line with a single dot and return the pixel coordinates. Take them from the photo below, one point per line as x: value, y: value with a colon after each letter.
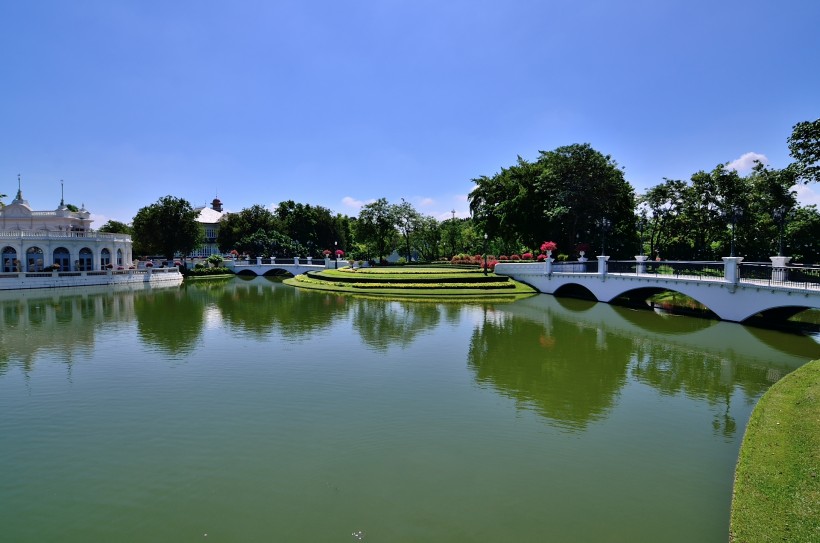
x: 573, y: 195
x: 697, y: 219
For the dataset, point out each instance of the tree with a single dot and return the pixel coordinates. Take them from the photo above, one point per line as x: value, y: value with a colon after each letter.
x: 428, y: 238
x: 506, y: 206
x: 115, y: 227
x: 803, y: 234
x: 314, y: 227
x: 804, y: 147
x: 771, y: 204
x: 563, y: 195
x: 376, y: 227
x: 406, y: 220
x: 168, y: 226
x: 664, y: 205
x: 694, y: 220
x: 236, y: 227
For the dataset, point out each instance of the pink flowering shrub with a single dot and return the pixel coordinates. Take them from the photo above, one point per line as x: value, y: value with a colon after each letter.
x: 490, y: 265
x: 549, y: 246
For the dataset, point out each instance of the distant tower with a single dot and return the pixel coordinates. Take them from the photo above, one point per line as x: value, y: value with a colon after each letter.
x: 216, y: 205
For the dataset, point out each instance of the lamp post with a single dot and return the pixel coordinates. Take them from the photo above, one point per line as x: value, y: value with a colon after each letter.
x: 485, y: 253
x: 453, y: 234
x: 336, y: 254
x: 779, y: 216
x: 641, y: 226
x: 604, y: 224
x: 736, y: 213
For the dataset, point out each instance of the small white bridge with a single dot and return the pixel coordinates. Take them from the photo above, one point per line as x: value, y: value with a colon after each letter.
x: 276, y: 266
x: 731, y: 290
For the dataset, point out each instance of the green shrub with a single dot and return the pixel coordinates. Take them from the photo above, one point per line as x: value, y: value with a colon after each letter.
x: 200, y: 271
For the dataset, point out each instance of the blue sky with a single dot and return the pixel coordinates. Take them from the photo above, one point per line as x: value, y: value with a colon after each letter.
x: 338, y: 103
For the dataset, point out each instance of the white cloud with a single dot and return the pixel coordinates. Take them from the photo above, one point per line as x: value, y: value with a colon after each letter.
x: 807, y: 194
x: 426, y: 202
x: 746, y: 162
x: 353, y: 203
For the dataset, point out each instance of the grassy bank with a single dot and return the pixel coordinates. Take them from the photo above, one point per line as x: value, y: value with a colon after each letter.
x: 777, y: 481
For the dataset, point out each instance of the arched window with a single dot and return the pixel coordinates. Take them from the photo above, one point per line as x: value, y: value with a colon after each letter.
x: 34, y: 259
x: 86, y: 261
x: 105, y: 258
x: 119, y: 257
x: 62, y: 258
x: 9, y: 257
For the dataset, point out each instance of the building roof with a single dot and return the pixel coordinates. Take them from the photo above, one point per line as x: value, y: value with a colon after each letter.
x: 209, y: 216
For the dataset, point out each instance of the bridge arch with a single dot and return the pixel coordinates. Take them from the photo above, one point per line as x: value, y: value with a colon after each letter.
x: 637, y: 297
x: 575, y: 290
x: 277, y: 272
x: 781, y: 313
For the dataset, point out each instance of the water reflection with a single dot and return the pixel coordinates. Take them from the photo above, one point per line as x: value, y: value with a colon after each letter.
x: 293, y: 402
x: 566, y: 370
x: 382, y: 323
x: 57, y: 323
x: 260, y: 305
x: 566, y: 359
x: 569, y: 359
x: 171, y: 319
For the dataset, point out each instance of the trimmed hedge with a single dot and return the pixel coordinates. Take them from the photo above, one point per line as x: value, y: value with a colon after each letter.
x: 201, y: 272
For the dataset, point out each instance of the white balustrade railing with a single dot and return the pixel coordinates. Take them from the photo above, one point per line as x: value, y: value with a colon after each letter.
x: 62, y: 234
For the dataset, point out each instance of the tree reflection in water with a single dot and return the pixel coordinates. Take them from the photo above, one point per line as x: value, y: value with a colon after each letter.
x: 568, y: 372
x: 382, y: 323
x: 569, y: 359
x: 170, y: 319
x: 259, y: 306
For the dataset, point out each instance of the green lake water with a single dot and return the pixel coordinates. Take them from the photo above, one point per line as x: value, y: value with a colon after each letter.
x: 252, y: 411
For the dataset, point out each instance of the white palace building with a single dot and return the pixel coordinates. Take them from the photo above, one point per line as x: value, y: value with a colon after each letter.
x: 58, y: 248
x: 32, y: 241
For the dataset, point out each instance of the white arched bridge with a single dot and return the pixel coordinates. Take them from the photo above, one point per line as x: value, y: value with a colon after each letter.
x: 732, y: 290
x: 279, y: 265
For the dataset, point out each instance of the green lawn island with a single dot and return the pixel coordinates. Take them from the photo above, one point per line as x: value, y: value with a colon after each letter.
x: 413, y: 281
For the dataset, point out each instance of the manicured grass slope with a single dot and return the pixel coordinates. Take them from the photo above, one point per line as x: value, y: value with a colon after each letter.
x: 411, y: 281
x: 777, y: 481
